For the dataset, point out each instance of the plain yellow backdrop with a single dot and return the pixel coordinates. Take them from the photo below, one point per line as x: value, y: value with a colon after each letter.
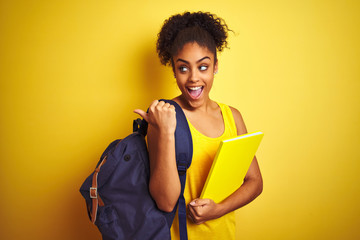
x: 73, y: 71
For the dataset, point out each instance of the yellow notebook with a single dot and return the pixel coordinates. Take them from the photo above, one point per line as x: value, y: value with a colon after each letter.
x: 231, y: 163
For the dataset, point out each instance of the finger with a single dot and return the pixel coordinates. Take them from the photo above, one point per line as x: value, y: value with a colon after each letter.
x: 199, y: 202
x: 190, y: 215
x: 193, y: 214
x: 192, y: 211
x: 142, y: 114
x: 167, y: 105
x: 195, y: 219
x: 160, y: 104
x: 198, y: 211
x: 154, y: 103
x: 194, y: 202
x: 172, y: 107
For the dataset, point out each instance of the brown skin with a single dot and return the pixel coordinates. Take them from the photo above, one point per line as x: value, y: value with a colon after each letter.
x: 164, y: 182
x: 194, y: 66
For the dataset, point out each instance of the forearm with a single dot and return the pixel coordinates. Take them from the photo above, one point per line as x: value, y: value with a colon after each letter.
x: 248, y: 191
x: 164, y: 180
x: 202, y: 210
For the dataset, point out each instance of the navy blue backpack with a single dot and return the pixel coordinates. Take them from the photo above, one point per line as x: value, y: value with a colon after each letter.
x: 117, y: 192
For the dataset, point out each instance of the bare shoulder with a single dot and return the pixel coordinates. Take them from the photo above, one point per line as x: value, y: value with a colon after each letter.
x: 239, y: 121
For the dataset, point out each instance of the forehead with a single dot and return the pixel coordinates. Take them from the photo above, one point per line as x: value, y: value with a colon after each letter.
x: 192, y: 52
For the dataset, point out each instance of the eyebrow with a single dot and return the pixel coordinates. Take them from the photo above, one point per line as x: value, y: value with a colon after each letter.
x: 182, y: 60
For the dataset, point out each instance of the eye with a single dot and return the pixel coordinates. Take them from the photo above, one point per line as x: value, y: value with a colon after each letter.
x: 183, y: 69
x: 203, y: 68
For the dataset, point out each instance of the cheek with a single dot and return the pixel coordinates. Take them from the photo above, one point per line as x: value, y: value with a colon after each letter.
x: 210, y: 81
x: 180, y: 82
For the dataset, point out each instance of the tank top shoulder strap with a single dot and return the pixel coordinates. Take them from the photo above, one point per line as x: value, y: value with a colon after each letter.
x: 228, y: 118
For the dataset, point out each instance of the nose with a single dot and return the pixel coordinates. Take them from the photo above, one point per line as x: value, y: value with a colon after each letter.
x: 194, y: 76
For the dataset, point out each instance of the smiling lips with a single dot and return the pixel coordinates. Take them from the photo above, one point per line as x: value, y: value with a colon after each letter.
x: 195, y: 92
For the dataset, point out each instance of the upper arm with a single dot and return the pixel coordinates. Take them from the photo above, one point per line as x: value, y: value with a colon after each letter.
x: 239, y: 121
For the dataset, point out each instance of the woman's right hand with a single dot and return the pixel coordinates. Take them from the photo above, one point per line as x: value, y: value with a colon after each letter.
x: 161, y: 116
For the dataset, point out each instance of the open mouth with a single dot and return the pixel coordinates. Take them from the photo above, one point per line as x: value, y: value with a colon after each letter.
x: 195, y: 92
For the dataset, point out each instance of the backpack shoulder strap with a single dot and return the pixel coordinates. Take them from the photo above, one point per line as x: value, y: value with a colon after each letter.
x: 183, y: 139
x: 184, y: 152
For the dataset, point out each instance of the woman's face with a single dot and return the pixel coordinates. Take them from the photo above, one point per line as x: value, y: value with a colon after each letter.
x: 194, y: 68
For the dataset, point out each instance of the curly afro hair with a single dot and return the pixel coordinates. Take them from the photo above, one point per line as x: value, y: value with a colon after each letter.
x: 204, y: 28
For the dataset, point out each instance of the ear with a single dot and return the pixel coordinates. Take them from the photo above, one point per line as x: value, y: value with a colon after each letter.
x: 216, y: 66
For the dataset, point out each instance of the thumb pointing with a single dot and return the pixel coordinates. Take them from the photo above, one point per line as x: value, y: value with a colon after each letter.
x: 142, y: 114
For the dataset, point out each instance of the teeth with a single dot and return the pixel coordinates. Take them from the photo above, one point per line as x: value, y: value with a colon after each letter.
x: 194, y: 88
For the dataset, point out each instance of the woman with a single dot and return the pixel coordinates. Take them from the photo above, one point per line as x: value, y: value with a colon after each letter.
x: 189, y: 43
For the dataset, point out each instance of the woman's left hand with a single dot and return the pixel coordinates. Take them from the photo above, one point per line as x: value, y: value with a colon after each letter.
x: 202, y: 210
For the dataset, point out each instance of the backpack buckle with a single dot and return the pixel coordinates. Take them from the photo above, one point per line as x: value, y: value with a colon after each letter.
x: 93, y: 192
x: 182, y: 169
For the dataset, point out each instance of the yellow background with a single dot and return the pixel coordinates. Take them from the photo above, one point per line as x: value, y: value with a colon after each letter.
x: 73, y: 71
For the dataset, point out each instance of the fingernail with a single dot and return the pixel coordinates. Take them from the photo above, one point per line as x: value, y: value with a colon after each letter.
x: 192, y: 203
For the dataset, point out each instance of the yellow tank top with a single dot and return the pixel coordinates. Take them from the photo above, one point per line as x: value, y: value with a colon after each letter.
x: 203, y: 155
